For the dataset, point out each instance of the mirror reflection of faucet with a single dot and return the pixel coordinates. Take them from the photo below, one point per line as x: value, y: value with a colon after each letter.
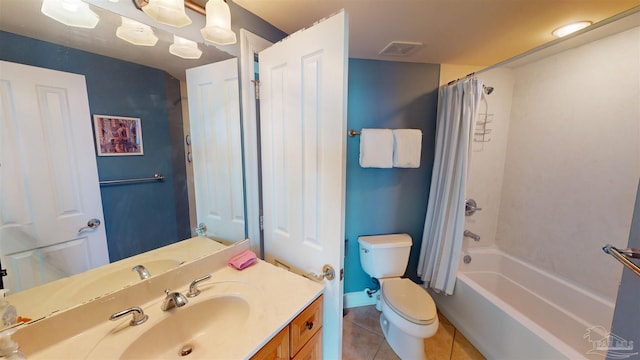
x: 469, y: 234
x: 142, y: 271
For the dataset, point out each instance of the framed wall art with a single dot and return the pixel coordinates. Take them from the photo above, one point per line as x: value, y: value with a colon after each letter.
x: 117, y: 135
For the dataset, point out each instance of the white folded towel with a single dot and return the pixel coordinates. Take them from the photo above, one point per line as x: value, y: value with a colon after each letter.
x: 407, y: 145
x: 376, y: 148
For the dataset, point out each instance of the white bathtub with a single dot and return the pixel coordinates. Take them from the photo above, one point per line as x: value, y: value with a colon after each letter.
x: 510, y: 309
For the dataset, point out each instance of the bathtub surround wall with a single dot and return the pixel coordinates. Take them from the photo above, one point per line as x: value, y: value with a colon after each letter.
x: 572, y: 160
x: 138, y: 217
x: 394, y: 95
x: 488, y: 158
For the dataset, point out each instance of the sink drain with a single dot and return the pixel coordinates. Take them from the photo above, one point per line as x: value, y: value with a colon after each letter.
x: 186, y: 350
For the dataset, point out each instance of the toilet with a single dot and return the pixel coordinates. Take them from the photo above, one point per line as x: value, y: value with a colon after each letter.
x: 408, y: 312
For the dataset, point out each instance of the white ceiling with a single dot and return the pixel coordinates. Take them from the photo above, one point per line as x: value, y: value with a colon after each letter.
x: 462, y: 32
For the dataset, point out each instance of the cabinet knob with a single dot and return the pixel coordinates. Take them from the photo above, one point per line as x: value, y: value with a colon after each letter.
x: 309, y: 325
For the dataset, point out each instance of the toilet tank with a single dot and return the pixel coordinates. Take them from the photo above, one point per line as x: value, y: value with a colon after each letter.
x: 384, y: 256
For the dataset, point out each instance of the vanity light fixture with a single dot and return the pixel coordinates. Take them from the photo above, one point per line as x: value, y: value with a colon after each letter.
x: 570, y: 28
x: 218, y: 25
x: 74, y: 13
x: 184, y: 48
x: 136, y: 33
x: 170, y: 12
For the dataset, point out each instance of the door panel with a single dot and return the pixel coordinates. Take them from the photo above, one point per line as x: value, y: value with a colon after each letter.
x: 48, y: 178
x: 303, y: 139
x: 214, y: 111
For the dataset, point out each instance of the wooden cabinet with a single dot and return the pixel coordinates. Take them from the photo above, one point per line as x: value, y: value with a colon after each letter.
x: 312, y: 350
x: 300, y: 339
x: 276, y: 349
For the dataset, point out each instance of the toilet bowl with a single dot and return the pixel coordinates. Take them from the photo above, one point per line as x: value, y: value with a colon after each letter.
x: 408, y: 312
x: 408, y: 317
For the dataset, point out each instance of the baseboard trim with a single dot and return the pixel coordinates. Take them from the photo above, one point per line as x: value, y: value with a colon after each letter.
x: 358, y: 298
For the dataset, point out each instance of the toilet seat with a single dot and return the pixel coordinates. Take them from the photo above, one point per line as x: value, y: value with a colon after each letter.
x: 409, y: 300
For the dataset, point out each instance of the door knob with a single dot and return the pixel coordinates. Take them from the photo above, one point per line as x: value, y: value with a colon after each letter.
x: 327, y: 273
x: 91, y: 224
x: 201, y: 230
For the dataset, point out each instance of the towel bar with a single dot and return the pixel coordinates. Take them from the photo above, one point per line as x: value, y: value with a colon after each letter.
x: 623, y: 255
x: 156, y: 177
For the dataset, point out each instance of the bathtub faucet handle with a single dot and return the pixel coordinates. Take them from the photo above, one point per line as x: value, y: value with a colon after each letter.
x: 470, y: 207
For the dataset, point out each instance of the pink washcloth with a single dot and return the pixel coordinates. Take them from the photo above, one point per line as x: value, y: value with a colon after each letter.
x: 243, y: 260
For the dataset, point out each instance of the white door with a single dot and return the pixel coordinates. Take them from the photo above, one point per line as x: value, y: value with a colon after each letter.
x: 303, y: 131
x: 214, y: 115
x: 48, y: 177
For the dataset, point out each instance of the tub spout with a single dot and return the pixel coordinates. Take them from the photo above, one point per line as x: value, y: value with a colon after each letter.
x: 468, y: 233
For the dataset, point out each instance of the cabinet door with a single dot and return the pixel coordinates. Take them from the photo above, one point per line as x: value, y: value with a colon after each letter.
x: 276, y: 349
x: 305, y: 325
x: 312, y: 350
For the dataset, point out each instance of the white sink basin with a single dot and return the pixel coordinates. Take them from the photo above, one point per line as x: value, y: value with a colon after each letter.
x: 190, y: 329
x: 203, y: 328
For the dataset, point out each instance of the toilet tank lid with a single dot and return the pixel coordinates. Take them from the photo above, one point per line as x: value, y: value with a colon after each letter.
x: 384, y: 241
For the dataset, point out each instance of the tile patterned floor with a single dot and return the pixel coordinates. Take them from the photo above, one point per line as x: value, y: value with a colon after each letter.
x: 363, y: 340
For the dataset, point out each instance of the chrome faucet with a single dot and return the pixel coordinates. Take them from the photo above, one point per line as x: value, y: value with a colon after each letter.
x: 468, y: 233
x: 193, y: 288
x: 138, y: 315
x: 142, y: 271
x: 172, y: 300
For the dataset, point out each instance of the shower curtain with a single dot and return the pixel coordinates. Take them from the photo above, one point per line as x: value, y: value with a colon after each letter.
x: 442, y: 238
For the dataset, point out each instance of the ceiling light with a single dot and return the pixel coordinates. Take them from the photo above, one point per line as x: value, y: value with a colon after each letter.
x: 218, y: 29
x: 570, y: 28
x: 70, y: 12
x: 184, y: 48
x: 136, y: 33
x: 170, y: 12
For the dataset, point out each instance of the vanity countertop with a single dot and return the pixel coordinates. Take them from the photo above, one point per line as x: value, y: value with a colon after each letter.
x: 275, y: 295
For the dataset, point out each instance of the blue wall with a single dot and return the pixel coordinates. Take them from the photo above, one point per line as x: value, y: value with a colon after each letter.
x: 380, y: 201
x: 137, y: 217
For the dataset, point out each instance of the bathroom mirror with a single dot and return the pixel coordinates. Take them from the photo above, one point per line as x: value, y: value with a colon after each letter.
x: 132, y: 229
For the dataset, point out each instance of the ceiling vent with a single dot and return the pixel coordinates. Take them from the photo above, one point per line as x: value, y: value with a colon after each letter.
x: 400, y: 48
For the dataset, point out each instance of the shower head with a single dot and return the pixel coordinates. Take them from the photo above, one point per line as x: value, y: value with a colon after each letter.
x: 487, y: 89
